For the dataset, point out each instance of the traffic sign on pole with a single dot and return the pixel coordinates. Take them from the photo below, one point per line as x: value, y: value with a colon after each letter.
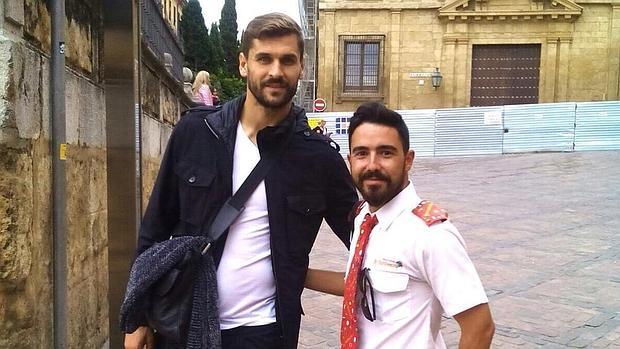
x: 319, y: 104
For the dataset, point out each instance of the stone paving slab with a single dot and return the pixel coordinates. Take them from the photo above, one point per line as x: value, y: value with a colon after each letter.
x: 544, y: 232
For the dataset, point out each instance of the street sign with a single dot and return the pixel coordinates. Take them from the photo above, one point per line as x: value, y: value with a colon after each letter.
x: 319, y: 104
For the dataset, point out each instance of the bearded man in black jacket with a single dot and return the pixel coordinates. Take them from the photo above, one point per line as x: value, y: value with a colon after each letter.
x: 263, y: 258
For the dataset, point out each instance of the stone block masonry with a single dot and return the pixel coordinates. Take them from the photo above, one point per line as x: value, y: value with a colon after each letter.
x: 26, y: 179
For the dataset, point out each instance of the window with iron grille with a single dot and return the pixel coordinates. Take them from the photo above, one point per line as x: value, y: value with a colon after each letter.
x: 361, y: 63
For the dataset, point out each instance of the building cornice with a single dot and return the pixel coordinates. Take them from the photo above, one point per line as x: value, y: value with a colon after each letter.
x: 359, y: 5
x: 476, y: 10
x: 414, y: 5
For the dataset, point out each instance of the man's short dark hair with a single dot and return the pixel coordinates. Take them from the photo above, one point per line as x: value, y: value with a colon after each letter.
x: 271, y: 25
x: 377, y: 113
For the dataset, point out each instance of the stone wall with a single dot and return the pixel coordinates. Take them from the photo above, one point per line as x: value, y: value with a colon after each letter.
x: 26, y: 266
x: 86, y: 214
x: 580, y: 47
x: 163, y: 98
x: 595, y: 52
x: 155, y: 136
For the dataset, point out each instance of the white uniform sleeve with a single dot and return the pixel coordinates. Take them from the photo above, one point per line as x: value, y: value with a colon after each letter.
x: 445, y: 265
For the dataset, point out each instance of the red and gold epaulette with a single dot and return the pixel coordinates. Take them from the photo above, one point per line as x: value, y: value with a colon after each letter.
x: 430, y: 213
x: 357, y: 208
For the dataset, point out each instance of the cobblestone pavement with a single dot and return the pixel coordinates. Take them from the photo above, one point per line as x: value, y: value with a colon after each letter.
x: 543, y: 231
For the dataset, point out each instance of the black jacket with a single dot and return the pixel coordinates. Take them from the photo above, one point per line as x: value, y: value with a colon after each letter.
x: 310, y: 182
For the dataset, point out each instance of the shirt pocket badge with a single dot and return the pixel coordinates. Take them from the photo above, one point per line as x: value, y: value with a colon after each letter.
x: 392, y: 296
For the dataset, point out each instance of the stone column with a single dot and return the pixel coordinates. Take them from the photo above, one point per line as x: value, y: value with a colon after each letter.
x: 613, y: 75
x: 561, y: 90
x: 461, y: 90
x: 393, y: 77
x: 550, y: 72
x: 328, y: 48
x: 447, y: 64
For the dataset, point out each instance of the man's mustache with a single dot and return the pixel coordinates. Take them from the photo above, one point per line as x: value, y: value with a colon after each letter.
x: 278, y: 81
x: 373, y: 175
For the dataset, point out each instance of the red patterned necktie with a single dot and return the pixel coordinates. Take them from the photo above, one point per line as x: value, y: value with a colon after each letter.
x: 348, y: 329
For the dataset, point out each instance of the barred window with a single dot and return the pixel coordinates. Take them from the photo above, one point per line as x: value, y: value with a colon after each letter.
x: 361, y: 62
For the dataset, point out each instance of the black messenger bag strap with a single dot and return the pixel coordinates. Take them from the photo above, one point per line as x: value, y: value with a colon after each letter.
x: 233, y: 207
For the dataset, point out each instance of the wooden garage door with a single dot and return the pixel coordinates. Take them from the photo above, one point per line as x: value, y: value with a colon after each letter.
x: 504, y: 74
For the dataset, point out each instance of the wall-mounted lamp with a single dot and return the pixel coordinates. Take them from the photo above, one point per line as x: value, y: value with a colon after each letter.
x: 436, y: 78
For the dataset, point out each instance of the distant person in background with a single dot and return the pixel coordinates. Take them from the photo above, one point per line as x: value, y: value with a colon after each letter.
x: 322, y: 129
x: 216, y: 97
x: 201, y: 88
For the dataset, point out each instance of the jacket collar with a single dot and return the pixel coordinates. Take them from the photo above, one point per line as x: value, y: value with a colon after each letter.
x: 225, y: 121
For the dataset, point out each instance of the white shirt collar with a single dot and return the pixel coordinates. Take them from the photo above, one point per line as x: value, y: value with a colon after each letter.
x: 407, y: 199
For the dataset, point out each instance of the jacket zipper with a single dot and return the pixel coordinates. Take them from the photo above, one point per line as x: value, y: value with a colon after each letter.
x: 211, y: 129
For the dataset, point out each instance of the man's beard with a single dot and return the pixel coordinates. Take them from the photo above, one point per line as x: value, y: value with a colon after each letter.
x: 378, y: 195
x: 276, y: 103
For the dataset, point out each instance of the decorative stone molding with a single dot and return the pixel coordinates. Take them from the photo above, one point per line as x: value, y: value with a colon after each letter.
x: 377, y: 5
x: 559, y: 39
x: 455, y: 39
x: 476, y: 10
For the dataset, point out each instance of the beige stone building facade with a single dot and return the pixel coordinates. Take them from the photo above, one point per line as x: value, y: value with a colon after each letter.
x: 104, y: 94
x: 488, y: 52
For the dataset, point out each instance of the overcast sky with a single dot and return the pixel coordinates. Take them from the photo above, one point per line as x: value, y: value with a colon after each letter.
x: 248, y: 9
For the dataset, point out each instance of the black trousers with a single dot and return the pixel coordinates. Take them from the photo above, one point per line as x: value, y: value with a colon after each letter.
x: 253, y: 337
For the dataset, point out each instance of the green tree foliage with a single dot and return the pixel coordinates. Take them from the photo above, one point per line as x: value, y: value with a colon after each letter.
x: 216, y: 62
x: 228, y: 31
x: 207, y: 50
x: 195, y: 36
x: 227, y: 87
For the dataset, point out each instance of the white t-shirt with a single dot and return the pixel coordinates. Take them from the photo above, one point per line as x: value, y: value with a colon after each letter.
x: 417, y: 273
x: 245, y: 279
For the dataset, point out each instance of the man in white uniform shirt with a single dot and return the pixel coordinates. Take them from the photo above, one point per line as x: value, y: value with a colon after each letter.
x: 408, y: 264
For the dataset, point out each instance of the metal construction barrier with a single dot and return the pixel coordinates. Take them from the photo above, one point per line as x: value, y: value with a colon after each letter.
x: 421, y: 124
x: 468, y: 131
x: 539, y: 127
x: 597, y: 126
x: 566, y: 127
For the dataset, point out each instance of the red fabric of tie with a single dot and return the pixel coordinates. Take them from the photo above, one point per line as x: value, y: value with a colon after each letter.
x: 349, y: 336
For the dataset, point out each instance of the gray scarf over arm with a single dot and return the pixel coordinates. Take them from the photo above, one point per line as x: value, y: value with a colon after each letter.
x: 155, y: 263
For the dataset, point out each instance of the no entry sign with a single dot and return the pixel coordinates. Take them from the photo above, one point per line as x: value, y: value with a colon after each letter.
x: 319, y: 104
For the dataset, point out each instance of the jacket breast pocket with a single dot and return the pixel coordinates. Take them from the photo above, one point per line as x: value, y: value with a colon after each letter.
x: 194, y: 187
x: 304, y: 214
x: 393, y: 300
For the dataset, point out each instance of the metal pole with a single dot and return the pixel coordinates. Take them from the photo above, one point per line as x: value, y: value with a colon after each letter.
x: 137, y: 54
x: 59, y: 147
